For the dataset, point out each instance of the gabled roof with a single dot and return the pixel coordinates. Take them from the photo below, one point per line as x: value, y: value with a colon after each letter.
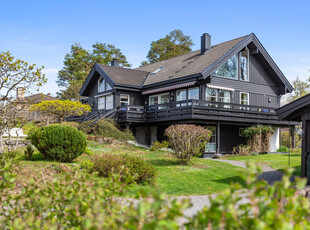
x: 293, y: 110
x: 124, y: 76
x: 205, y: 64
x: 118, y: 76
x: 187, y: 64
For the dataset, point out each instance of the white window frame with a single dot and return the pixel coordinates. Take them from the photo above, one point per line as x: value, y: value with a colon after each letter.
x: 110, y: 104
x: 158, y: 98
x: 100, y: 87
x: 241, y: 98
x: 101, y: 105
x: 236, y: 79
x: 128, y: 98
x: 179, y: 91
x: 248, y: 53
x: 216, y: 96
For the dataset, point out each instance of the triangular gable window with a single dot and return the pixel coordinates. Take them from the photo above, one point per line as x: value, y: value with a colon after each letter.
x: 229, y: 69
x: 103, y: 85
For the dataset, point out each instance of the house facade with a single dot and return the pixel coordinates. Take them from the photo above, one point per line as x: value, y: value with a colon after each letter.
x: 225, y: 87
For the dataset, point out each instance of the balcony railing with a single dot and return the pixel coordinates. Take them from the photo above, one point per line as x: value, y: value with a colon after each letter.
x: 193, y: 109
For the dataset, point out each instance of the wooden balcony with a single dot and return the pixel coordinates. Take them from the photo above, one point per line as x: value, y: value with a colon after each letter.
x: 198, y: 110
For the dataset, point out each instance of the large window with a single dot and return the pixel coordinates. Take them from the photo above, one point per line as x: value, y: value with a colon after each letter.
x: 193, y: 93
x: 229, y: 69
x: 211, y: 94
x: 103, y: 85
x: 101, y: 102
x: 181, y: 95
x: 124, y: 99
x: 244, y: 98
x: 109, y: 102
x: 244, y: 65
x: 159, y: 99
x: 105, y: 102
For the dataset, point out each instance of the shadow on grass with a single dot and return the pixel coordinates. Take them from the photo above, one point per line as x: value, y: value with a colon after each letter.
x: 231, y: 180
x: 162, y: 162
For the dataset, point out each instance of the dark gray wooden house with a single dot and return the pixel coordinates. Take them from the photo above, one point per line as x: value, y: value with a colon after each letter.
x: 227, y: 87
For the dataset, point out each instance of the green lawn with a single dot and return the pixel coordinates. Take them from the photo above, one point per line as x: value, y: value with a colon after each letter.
x: 200, y: 177
x: 277, y: 161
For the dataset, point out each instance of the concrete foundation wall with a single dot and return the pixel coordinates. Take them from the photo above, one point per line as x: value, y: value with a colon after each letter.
x: 141, y: 135
x: 275, y: 140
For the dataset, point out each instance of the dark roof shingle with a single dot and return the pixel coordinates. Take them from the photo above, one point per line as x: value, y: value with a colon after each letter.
x: 125, y: 76
x: 187, y: 64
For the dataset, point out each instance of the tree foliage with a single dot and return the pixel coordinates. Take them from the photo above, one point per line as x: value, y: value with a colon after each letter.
x: 301, y: 88
x: 61, y: 109
x: 172, y: 45
x: 15, y: 74
x: 79, y: 62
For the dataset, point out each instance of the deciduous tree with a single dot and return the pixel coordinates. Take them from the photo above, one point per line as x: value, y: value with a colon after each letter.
x: 15, y: 74
x: 61, y: 109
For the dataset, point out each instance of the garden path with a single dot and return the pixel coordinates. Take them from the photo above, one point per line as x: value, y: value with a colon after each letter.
x: 269, y: 174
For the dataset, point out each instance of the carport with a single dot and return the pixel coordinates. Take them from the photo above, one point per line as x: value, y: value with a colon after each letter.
x: 299, y: 110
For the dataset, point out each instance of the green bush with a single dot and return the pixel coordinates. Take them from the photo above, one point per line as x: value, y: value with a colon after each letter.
x: 285, y: 139
x: 125, y: 165
x: 106, y: 128
x: 157, y: 146
x: 283, y: 149
x: 28, y: 153
x: 58, y: 142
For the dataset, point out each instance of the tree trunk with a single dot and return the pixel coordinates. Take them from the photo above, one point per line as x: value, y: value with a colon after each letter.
x: 60, y: 120
x: 1, y: 144
x: 47, y: 121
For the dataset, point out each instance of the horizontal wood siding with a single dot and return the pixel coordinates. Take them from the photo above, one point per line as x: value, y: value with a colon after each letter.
x: 244, y: 86
x: 135, y: 97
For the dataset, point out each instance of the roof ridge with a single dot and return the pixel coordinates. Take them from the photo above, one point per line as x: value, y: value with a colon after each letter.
x: 194, y: 51
x: 122, y: 68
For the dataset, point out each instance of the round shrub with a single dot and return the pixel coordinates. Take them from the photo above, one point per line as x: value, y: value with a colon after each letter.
x: 127, y: 166
x: 58, y: 142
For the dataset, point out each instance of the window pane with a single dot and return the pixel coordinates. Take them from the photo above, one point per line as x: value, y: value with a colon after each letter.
x: 109, y: 102
x: 153, y: 100
x: 224, y: 96
x: 101, y: 103
x: 181, y: 95
x: 244, y: 65
x: 211, y: 145
x: 163, y: 98
x: 228, y: 69
x: 211, y: 94
x: 108, y: 87
x: 101, y: 85
x: 124, y: 99
x: 193, y: 93
x: 244, y: 99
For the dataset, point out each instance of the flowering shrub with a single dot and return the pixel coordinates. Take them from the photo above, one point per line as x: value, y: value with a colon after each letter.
x: 187, y: 141
x: 159, y: 145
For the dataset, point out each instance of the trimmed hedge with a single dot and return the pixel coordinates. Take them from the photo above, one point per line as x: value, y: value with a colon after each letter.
x: 125, y: 165
x: 61, y: 143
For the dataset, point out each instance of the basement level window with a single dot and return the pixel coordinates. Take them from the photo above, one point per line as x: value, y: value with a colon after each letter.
x: 159, y: 69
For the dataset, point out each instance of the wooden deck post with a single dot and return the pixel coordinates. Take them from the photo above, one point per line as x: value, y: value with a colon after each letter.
x: 218, y: 137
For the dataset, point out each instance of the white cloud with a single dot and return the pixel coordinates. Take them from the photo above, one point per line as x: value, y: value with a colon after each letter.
x: 50, y: 71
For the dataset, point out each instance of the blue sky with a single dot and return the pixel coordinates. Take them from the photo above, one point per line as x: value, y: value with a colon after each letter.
x: 42, y: 32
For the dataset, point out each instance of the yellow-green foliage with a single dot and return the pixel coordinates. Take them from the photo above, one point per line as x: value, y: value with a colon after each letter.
x: 61, y: 109
x: 106, y: 128
x: 285, y: 139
